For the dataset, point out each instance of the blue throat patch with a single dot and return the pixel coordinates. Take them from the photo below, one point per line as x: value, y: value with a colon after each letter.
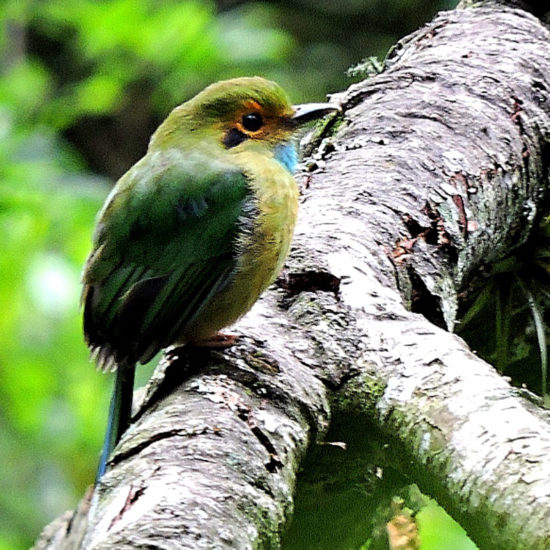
x: 287, y: 154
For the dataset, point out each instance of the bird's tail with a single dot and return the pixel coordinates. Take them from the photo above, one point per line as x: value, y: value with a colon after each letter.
x: 120, y: 411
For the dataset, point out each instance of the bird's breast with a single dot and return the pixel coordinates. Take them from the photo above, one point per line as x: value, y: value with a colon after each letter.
x: 262, y: 245
x: 265, y: 239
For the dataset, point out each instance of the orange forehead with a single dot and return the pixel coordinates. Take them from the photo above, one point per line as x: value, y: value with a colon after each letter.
x: 252, y: 105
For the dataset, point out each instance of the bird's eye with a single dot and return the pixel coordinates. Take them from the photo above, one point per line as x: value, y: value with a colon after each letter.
x: 252, y: 122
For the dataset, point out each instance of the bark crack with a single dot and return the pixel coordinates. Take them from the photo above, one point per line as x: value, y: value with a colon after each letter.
x: 309, y: 281
x: 122, y: 456
x: 133, y: 496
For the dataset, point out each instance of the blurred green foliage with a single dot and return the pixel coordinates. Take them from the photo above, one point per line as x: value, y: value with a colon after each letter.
x: 82, y: 85
x: 438, y: 531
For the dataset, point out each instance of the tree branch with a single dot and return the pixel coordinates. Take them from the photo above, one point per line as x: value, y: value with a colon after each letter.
x: 438, y: 168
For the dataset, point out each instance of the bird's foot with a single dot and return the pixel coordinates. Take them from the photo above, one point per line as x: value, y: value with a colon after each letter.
x: 220, y: 340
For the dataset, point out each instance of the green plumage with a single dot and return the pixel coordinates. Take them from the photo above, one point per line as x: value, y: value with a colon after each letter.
x: 164, y: 245
x: 194, y: 232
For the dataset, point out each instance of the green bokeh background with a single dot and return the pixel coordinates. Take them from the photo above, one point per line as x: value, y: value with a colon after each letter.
x: 82, y: 85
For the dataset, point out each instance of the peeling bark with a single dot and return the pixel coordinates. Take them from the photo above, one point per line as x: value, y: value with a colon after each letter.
x: 439, y: 167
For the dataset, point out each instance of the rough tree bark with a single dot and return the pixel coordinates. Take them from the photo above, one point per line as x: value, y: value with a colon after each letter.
x: 439, y: 166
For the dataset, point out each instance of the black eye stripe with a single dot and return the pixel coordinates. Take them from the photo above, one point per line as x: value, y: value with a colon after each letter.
x: 252, y: 122
x: 233, y: 138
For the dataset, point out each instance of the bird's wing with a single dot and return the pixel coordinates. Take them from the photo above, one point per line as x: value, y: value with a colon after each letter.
x: 165, y: 243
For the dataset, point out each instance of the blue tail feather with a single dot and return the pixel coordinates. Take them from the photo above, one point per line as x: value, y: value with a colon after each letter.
x: 120, y: 411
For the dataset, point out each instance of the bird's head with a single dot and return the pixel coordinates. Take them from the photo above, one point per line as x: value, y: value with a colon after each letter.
x: 238, y: 114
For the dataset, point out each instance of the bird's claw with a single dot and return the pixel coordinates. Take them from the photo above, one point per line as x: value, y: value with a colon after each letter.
x: 220, y: 340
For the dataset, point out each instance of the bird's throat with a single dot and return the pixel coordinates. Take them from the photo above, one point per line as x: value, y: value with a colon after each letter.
x: 287, y: 154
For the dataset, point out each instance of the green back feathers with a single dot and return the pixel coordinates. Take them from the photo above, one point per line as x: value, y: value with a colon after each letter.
x: 165, y: 243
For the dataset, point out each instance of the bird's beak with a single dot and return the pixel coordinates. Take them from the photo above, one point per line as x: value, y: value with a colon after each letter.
x: 312, y: 111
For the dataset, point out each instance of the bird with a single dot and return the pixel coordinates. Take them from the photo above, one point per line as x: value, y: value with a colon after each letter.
x: 194, y: 232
